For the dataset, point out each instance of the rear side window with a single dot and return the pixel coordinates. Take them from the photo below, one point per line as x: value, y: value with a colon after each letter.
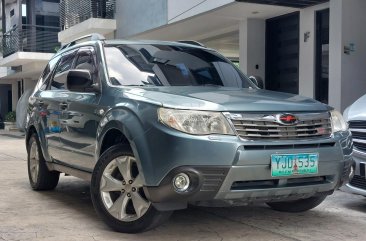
x: 60, y: 75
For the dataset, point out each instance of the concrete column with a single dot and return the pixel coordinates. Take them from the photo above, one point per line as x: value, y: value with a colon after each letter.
x: 307, y: 58
x: 15, y: 97
x: 252, y: 45
x: 29, y: 84
x: 335, y: 54
x: 347, y: 72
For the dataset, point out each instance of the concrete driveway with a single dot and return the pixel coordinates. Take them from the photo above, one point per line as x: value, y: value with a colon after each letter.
x: 67, y: 213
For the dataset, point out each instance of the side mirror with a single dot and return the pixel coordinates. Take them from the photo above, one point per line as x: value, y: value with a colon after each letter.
x: 257, y: 81
x: 80, y: 80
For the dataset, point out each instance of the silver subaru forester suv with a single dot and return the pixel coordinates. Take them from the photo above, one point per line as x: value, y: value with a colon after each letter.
x: 155, y: 126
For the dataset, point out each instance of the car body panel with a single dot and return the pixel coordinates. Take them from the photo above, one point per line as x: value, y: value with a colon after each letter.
x: 356, y: 112
x: 226, y: 99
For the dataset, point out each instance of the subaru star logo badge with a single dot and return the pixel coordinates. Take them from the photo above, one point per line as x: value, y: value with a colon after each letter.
x: 287, y: 119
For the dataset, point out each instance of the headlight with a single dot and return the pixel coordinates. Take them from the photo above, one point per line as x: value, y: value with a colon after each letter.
x: 338, y: 123
x: 195, y: 122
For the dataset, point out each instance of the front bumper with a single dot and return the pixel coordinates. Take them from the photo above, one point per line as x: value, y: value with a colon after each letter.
x: 246, y: 177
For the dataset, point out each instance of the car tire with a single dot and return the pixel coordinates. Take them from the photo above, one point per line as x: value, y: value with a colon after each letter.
x: 40, y: 178
x: 298, y: 206
x: 118, y: 195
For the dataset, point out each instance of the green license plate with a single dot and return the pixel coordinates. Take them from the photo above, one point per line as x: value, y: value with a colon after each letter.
x: 283, y: 165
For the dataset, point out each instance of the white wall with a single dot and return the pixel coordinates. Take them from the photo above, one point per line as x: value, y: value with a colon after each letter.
x: 181, y: 9
x: 335, y: 53
x: 252, y: 45
x: 353, y: 65
x: 11, y: 21
x: 347, y: 72
x: 307, y: 50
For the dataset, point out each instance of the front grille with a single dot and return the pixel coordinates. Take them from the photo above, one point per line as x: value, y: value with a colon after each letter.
x: 357, y: 124
x: 268, y: 127
x: 358, y: 181
x: 358, y: 129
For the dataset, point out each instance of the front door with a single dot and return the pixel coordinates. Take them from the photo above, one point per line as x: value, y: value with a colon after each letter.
x: 282, y: 53
x: 80, y: 118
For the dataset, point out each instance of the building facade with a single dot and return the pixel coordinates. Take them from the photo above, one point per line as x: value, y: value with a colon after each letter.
x: 313, y: 48
x: 29, y: 38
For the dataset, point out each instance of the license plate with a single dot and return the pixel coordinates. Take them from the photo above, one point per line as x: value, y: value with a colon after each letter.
x: 283, y: 165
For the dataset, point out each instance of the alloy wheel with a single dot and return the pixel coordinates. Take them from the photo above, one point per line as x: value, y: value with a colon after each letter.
x: 34, y: 162
x: 121, y: 190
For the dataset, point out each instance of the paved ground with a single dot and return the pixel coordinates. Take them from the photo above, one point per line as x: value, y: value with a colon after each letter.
x: 67, y: 214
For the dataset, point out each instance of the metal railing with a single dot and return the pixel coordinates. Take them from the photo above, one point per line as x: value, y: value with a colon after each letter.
x: 73, y: 12
x: 30, y: 38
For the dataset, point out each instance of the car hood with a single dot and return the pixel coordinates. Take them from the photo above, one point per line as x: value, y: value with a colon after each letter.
x: 357, y: 110
x: 225, y: 99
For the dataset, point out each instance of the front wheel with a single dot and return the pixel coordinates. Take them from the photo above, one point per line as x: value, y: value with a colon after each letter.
x: 298, y: 206
x: 118, y: 195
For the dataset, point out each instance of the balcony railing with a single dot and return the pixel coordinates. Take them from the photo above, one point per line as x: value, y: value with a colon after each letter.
x: 30, y: 38
x: 73, y: 12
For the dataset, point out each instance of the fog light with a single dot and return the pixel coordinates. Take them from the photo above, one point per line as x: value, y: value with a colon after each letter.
x: 181, y: 182
x: 351, y: 172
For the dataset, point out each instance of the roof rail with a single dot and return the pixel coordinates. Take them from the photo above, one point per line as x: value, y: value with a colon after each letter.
x: 89, y: 37
x: 192, y: 42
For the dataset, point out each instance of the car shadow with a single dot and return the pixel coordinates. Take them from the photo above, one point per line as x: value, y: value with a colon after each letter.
x: 205, y: 223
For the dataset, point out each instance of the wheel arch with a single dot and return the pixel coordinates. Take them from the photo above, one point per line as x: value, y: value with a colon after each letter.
x: 30, y: 131
x: 122, y: 126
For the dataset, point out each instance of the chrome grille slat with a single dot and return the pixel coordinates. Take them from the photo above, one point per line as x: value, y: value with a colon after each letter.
x: 282, y: 130
x: 358, y: 129
x: 267, y: 127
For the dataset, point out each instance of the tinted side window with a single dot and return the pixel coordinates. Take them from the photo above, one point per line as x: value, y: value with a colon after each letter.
x: 85, y: 61
x: 60, y: 75
x: 45, y: 77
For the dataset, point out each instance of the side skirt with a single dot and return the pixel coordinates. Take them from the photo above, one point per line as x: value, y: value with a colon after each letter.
x: 85, y: 175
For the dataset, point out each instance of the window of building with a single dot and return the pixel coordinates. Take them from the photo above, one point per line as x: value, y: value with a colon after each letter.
x: 48, y: 20
x: 12, y: 13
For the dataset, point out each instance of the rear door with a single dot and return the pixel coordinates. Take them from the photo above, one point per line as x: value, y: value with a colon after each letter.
x: 80, y: 118
x: 43, y: 103
x: 52, y: 99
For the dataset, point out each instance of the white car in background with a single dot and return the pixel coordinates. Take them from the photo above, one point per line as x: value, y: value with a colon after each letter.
x: 355, y: 115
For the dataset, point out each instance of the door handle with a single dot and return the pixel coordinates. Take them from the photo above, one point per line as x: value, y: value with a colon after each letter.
x: 63, y: 105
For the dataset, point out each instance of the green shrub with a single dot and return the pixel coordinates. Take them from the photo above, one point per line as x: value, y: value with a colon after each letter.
x: 10, y: 117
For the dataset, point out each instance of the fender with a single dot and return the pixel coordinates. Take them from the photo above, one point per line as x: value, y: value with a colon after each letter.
x: 34, y: 122
x: 134, y: 129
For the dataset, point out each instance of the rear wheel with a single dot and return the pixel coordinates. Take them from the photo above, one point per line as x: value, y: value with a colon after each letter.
x: 118, y: 195
x: 40, y: 178
x: 298, y: 206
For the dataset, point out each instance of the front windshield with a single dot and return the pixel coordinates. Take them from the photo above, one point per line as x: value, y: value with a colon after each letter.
x: 170, y: 65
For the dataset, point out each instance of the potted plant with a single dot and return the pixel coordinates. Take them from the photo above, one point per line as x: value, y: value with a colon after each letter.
x: 9, y: 122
